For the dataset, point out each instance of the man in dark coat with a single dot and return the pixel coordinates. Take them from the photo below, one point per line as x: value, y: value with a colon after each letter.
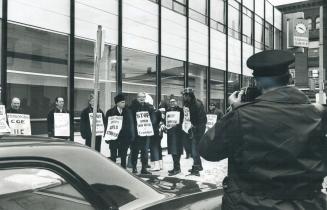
x: 216, y: 111
x: 140, y: 142
x: 198, y: 120
x: 15, y: 106
x: 85, y: 124
x: 50, y: 119
x: 275, y: 145
x: 174, y: 137
x: 126, y: 134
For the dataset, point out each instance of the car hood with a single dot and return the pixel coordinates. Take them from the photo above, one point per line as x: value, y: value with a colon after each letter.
x: 176, y: 186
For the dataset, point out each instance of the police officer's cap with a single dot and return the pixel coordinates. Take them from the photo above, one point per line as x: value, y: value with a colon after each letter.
x: 270, y: 63
x: 187, y: 91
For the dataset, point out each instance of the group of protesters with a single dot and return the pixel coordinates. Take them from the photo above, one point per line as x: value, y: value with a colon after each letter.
x: 140, y: 127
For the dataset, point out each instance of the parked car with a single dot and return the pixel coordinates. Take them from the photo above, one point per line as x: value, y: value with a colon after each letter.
x: 43, y: 173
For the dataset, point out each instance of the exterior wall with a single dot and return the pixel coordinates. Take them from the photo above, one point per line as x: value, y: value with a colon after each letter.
x: 38, y: 55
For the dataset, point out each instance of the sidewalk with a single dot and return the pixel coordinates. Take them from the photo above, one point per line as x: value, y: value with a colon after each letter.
x: 213, y: 172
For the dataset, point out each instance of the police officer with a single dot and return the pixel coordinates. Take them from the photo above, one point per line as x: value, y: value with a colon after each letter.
x: 195, y: 110
x: 50, y: 119
x: 85, y: 127
x: 126, y: 134
x: 275, y: 145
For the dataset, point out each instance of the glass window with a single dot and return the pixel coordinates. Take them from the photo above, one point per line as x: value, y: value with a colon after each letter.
x: 176, y: 5
x: 278, y: 39
x: 198, y: 10
x: 198, y: 81
x: 37, y: 66
x: 259, y: 7
x: 246, y: 81
x: 234, y: 19
x: 247, y: 26
x: 269, y: 34
x: 172, y: 79
x: 233, y: 83
x: 269, y: 12
x: 199, y: 5
x: 313, y: 52
x: 217, y: 88
x: 258, y: 32
x: 248, y: 4
x: 38, y: 189
x: 84, y: 75
x: 217, y: 10
x: 318, y: 23
x: 139, y: 74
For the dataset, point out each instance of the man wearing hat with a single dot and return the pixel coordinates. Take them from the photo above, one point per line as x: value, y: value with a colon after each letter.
x: 194, y: 124
x: 275, y: 144
x: 126, y: 133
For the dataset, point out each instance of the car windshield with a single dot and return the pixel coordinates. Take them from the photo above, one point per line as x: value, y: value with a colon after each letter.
x: 18, y: 180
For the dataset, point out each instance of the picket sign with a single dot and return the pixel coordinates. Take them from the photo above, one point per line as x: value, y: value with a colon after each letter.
x: 144, y: 124
x: 99, y: 124
x: 172, y: 119
x: 20, y: 124
x: 114, y: 126
x: 61, y: 124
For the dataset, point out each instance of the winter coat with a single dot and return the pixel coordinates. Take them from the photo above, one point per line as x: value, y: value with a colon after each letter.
x: 50, y: 120
x: 198, y: 118
x: 85, y: 122
x: 137, y: 107
x: 276, y: 149
x: 175, y: 134
x: 126, y: 134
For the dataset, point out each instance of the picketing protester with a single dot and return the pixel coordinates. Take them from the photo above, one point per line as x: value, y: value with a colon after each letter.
x: 155, y: 141
x: 86, y: 121
x: 174, y: 117
x: 213, y: 115
x: 18, y: 121
x: 194, y: 124
x: 58, y: 120
x: 142, y: 113
x: 119, y: 129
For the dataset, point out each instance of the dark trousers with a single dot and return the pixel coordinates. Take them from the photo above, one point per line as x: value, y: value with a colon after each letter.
x: 118, y: 148
x: 176, y: 160
x: 197, y: 163
x: 139, y: 145
x: 187, y: 143
x: 155, y: 148
x: 97, y: 143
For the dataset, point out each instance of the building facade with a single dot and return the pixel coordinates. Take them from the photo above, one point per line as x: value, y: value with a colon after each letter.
x: 306, y: 66
x: 155, y: 46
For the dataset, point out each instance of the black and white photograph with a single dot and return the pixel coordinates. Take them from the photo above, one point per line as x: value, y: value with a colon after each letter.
x: 163, y: 104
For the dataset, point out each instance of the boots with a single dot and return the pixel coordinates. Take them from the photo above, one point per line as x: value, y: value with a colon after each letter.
x: 156, y: 166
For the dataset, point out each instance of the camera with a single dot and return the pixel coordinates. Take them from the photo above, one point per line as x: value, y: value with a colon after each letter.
x: 250, y: 92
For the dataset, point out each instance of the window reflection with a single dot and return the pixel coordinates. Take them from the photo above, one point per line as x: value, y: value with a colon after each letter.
x: 217, y: 88
x: 37, y: 63
x: 233, y: 83
x: 84, y: 75
x: 172, y: 79
x: 259, y: 32
x: 269, y: 36
x: 138, y: 73
x: 198, y: 81
x: 234, y: 27
x: 247, y: 26
x: 217, y: 13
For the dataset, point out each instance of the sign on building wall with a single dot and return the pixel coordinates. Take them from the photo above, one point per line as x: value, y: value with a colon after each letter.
x: 298, y: 33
